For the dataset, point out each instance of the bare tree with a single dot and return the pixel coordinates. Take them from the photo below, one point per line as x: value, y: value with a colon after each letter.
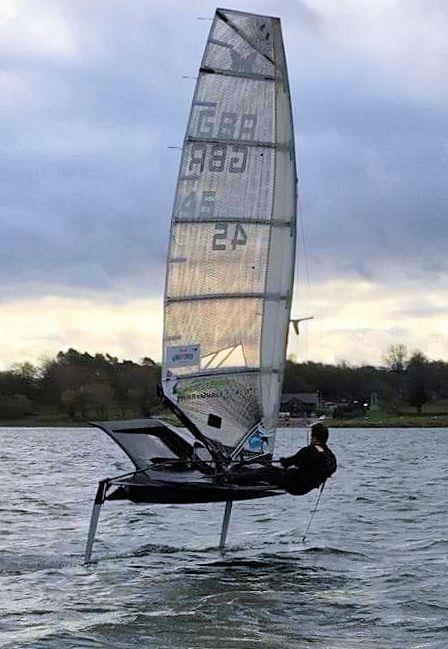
x: 395, y: 358
x: 395, y: 361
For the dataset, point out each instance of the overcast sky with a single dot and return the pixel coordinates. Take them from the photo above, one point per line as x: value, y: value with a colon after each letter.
x: 92, y: 95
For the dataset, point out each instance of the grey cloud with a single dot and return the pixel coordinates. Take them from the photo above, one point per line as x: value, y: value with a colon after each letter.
x: 422, y: 311
x: 378, y: 191
x: 87, y: 181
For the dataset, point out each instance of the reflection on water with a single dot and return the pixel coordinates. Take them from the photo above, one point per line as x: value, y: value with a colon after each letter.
x: 373, y: 573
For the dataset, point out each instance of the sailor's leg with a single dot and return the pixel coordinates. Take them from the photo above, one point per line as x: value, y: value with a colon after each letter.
x: 225, y: 525
x: 271, y: 475
x: 99, y: 499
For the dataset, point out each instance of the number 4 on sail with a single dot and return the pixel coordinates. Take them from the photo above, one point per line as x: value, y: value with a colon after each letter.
x: 228, y: 289
x: 238, y: 236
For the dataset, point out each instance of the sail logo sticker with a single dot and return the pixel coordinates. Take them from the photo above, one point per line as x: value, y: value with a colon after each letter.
x: 213, y: 388
x: 183, y: 355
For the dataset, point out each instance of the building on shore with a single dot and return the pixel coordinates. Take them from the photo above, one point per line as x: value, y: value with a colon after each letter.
x: 299, y: 404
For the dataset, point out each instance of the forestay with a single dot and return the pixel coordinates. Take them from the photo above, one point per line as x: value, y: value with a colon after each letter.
x: 232, y: 244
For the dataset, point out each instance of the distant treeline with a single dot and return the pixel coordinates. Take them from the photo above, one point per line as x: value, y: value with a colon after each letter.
x: 80, y: 386
x: 414, y: 381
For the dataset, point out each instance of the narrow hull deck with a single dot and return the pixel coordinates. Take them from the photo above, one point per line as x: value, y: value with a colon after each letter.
x: 173, y: 476
x: 186, y: 492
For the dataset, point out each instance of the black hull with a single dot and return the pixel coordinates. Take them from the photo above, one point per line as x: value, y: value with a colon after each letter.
x: 171, y: 468
x: 185, y: 494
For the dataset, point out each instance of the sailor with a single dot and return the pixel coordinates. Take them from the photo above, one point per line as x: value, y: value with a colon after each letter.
x: 306, y: 470
x: 310, y: 466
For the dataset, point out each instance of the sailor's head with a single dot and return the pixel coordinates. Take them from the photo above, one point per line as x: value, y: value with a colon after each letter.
x: 319, y: 434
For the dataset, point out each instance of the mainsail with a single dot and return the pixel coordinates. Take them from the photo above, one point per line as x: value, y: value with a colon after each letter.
x: 231, y: 253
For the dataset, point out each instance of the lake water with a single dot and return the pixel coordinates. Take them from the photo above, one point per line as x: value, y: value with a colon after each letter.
x: 373, y: 572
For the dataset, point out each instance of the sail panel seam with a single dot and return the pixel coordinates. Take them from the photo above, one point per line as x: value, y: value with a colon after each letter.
x: 229, y: 296
x: 247, y: 221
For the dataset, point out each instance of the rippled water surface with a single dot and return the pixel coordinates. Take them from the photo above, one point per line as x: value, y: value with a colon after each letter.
x: 373, y: 572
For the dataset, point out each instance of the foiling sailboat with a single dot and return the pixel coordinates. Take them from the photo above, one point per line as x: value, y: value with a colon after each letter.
x: 229, y: 281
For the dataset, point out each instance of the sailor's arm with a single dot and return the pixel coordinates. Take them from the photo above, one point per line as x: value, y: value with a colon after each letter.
x: 294, y: 460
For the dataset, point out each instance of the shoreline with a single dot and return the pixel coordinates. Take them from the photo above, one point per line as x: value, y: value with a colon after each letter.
x: 392, y: 422
x: 414, y: 424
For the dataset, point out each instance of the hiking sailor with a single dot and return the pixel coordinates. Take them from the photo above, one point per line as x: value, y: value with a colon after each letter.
x: 310, y: 466
x: 306, y: 470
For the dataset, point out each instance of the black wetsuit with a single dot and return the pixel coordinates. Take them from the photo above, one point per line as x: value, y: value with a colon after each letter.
x: 302, y: 472
x: 307, y: 469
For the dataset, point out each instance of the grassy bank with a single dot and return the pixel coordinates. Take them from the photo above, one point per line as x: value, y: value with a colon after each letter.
x: 58, y: 420
x: 391, y: 421
x: 369, y: 421
x: 43, y: 422
x: 433, y: 415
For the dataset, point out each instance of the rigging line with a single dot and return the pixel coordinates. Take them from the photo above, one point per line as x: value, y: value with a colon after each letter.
x: 300, y: 211
x: 313, y: 511
x: 305, y: 251
x: 216, y: 454
x: 211, y: 359
x: 306, y: 260
x: 229, y: 353
x: 240, y: 445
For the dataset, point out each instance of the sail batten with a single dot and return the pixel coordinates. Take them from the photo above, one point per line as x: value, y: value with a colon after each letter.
x: 216, y: 140
x: 232, y: 370
x: 227, y: 296
x: 232, y: 243
x: 242, y: 75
